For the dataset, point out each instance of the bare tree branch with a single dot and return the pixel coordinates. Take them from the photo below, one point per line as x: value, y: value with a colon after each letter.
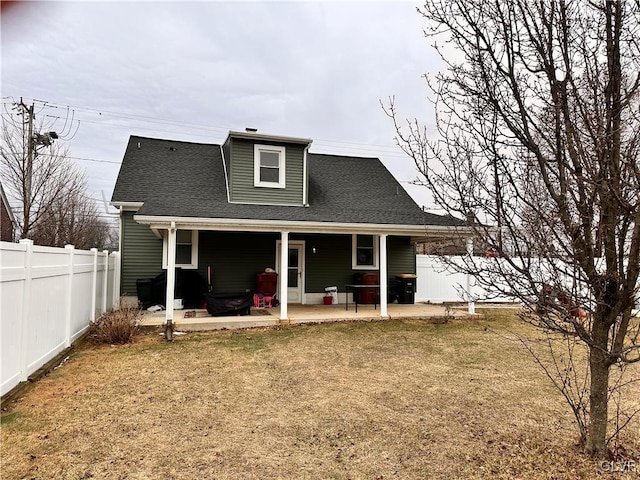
x: 538, y: 141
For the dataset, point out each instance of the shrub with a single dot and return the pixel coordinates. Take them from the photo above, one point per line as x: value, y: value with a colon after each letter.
x: 118, y: 326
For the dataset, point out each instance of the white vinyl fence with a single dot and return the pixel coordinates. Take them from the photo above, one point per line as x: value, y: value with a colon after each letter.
x: 49, y: 295
x: 438, y: 283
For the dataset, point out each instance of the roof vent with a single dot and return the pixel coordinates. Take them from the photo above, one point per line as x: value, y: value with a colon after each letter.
x: 173, y: 149
x: 251, y: 130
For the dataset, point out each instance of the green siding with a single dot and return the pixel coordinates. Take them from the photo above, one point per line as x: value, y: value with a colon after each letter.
x: 401, y: 256
x: 331, y: 264
x: 141, y: 254
x: 241, y: 173
x: 235, y: 258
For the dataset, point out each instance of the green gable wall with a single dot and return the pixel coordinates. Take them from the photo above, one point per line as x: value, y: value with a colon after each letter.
x: 141, y: 254
x: 241, y: 171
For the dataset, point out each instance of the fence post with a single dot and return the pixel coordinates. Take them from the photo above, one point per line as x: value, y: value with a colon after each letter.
x: 116, y: 280
x: 471, y: 304
x: 105, y: 282
x: 94, y: 283
x: 26, y: 308
x: 69, y: 313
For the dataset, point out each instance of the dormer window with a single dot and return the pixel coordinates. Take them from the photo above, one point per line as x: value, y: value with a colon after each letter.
x: 269, y: 170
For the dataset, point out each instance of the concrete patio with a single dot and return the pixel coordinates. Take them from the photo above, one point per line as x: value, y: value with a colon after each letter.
x: 200, y: 320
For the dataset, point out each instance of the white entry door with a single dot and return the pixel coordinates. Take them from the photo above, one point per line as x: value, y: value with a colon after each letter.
x: 295, y: 273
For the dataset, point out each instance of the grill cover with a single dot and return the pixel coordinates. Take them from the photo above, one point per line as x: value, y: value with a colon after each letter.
x: 221, y: 304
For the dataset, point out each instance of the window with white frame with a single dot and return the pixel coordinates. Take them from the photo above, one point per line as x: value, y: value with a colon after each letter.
x: 186, y: 249
x: 364, y: 252
x: 269, y: 168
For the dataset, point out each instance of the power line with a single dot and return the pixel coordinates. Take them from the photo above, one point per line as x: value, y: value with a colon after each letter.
x: 84, y: 159
x: 134, y: 116
x: 119, y: 125
x: 180, y: 123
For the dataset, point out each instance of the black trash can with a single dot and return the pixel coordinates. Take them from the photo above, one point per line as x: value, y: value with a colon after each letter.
x: 406, y: 288
x: 144, y: 290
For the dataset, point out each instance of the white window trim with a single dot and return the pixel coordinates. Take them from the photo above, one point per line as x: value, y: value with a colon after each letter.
x: 194, y: 252
x: 256, y: 166
x: 354, y: 254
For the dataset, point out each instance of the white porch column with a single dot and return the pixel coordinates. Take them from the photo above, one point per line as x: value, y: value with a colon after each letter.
x: 383, y: 276
x: 284, y: 275
x: 471, y: 304
x: 171, y: 275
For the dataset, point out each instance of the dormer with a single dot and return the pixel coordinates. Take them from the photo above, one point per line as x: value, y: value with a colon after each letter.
x: 266, y: 169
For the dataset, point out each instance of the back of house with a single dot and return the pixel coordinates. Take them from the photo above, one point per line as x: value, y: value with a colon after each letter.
x: 222, y: 214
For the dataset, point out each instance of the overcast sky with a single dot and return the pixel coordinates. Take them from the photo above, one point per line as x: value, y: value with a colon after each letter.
x: 195, y: 70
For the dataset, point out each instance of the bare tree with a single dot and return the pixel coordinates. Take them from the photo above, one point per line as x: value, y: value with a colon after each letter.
x: 50, y: 190
x: 72, y: 220
x: 538, y: 116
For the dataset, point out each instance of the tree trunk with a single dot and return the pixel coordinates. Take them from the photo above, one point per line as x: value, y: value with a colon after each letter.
x: 596, y: 445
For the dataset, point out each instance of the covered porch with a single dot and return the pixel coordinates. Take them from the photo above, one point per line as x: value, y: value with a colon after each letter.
x: 200, y: 320
x: 338, y: 254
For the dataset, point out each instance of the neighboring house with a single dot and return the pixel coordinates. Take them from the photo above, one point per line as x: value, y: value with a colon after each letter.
x: 7, y: 220
x: 264, y: 201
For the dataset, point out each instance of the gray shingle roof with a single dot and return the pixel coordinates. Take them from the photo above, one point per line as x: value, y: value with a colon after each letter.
x: 184, y: 179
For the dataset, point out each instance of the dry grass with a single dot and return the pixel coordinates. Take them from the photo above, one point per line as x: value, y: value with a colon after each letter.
x: 384, y: 400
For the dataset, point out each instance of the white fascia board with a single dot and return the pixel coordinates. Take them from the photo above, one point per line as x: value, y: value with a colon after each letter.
x: 244, y: 225
x: 305, y: 177
x: 272, y: 138
x: 226, y: 175
x: 270, y: 204
x: 127, y: 206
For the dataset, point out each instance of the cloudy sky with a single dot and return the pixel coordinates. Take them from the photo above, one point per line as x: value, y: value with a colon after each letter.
x: 195, y: 70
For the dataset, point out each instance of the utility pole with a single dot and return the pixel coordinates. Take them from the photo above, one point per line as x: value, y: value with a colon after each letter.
x: 28, y: 111
x: 33, y: 140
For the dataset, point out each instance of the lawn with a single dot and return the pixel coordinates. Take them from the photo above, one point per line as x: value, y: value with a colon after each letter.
x: 379, y: 400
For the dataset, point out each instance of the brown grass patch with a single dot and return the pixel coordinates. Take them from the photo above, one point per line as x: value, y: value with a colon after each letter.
x: 382, y: 400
